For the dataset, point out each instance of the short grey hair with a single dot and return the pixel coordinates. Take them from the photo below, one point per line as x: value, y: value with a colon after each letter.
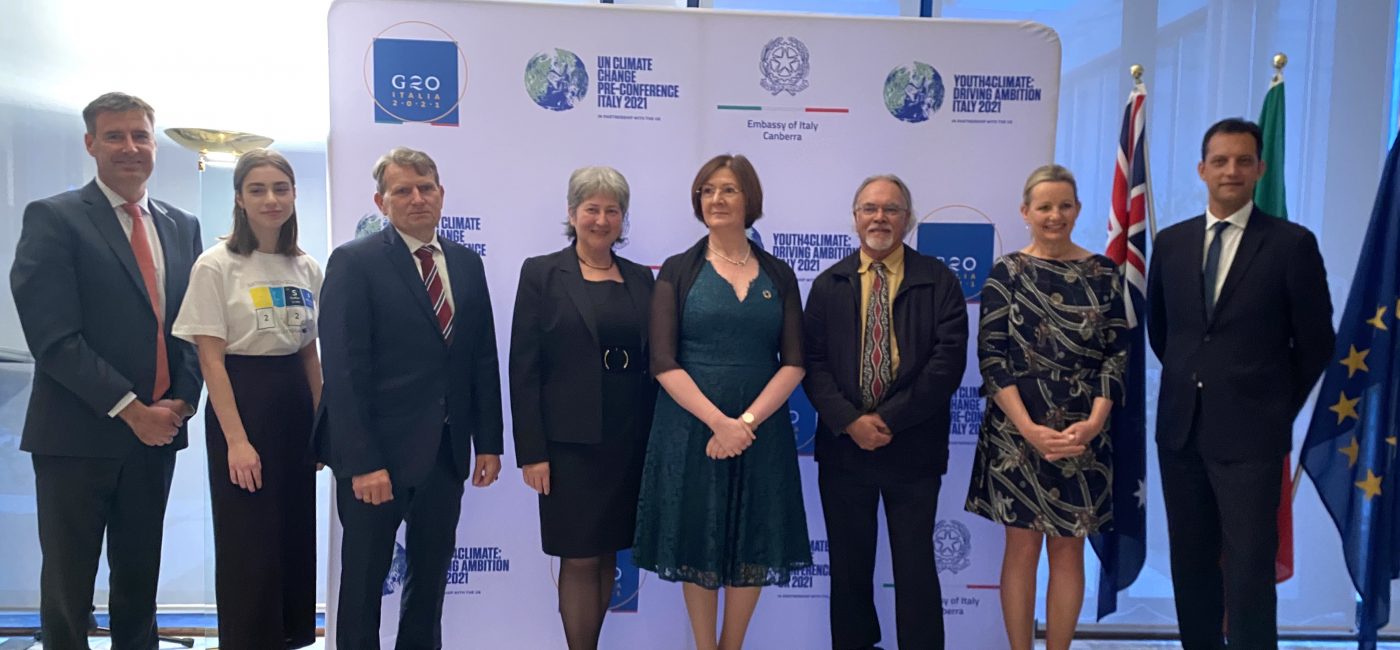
x: 1051, y: 173
x: 592, y: 181
x: 903, y: 190
x: 420, y: 162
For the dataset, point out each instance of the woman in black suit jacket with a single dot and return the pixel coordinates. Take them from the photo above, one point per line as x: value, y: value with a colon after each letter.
x: 581, y: 396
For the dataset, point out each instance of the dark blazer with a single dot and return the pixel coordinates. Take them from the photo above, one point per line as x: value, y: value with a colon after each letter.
x: 1249, y: 367
x: 930, y: 328
x: 390, y: 378
x: 556, y: 392
x: 89, y: 323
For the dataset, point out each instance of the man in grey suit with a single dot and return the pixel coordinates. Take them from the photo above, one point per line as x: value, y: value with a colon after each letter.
x: 98, y: 277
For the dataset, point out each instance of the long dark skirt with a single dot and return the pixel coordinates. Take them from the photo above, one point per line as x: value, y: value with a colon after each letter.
x: 265, y: 542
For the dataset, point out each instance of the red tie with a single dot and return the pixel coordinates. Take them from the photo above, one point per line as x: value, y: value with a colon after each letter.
x: 141, y: 249
x: 436, y: 296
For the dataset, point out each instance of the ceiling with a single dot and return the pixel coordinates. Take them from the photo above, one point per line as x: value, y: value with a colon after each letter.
x: 248, y: 65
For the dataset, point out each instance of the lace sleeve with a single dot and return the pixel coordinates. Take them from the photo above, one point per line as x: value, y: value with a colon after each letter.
x: 665, y: 331
x: 790, y: 351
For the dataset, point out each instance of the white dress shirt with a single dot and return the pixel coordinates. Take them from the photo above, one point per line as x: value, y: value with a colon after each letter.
x: 157, y: 255
x: 439, y: 260
x: 1229, y: 241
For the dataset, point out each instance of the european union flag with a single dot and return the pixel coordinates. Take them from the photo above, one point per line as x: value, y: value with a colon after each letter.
x: 1350, y: 451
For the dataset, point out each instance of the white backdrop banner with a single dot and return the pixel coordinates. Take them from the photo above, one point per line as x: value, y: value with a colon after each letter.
x: 510, y: 98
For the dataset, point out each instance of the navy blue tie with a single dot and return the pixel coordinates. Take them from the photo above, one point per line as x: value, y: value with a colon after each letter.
x: 1213, y: 266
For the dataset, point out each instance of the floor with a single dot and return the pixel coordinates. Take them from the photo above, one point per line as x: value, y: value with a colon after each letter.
x: 28, y: 620
x: 203, y: 644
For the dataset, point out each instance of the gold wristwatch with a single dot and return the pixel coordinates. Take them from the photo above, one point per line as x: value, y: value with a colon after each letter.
x: 748, y: 418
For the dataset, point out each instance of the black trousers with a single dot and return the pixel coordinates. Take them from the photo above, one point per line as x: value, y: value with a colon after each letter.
x: 80, y: 499
x: 849, y: 503
x: 265, y: 541
x: 1223, y: 529
x: 431, y: 510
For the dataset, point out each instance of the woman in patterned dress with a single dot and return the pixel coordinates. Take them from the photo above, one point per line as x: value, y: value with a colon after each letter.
x: 1052, y: 347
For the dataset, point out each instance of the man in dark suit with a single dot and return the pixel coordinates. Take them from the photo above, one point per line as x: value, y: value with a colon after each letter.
x: 412, y: 384
x: 98, y: 277
x: 1239, y: 314
x: 886, y: 341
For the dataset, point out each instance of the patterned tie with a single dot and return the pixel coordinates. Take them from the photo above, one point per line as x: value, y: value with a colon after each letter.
x: 876, y: 365
x: 435, y: 293
x: 141, y: 249
x: 1213, y: 266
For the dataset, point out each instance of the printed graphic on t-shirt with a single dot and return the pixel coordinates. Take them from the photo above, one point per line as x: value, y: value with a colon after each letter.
x: 282, y: 307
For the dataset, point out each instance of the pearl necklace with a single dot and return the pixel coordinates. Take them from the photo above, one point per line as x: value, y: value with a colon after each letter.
x: 747, y: 253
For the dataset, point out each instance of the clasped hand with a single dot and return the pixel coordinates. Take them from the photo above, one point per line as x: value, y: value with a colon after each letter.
x: 730, y: 438
x: 158, y: 424
x: 870, y: 432
x: 1057, y: 445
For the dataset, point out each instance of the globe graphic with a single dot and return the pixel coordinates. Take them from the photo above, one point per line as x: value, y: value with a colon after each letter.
x: 369, y: 224
x: 556, y: 80
x: 913, y: 92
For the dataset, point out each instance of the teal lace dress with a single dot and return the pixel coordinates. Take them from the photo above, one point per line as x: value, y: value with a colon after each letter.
x: 736, y: 522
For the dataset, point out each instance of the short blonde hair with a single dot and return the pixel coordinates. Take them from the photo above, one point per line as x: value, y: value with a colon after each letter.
x: 1051, y: 173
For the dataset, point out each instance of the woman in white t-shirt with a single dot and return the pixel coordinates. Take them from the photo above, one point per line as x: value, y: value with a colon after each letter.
x: 251, y: 310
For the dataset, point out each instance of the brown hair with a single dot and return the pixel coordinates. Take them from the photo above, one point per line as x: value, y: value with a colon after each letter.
x: 242, y: 241
x: 748, y: 184
x: 115, y: 103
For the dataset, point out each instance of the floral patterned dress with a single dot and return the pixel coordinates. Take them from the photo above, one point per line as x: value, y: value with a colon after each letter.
x: 1057, y: 330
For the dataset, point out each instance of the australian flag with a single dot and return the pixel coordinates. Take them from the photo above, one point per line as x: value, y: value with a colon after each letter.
x: 1122, y: 550
x: 1350, y: 451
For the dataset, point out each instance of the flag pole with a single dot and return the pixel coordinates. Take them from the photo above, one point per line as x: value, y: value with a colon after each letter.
x: 1136, y: 70
x: 1280, y: 60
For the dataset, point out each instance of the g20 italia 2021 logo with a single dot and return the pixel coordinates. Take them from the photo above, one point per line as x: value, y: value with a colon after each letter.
x: 416, y: 74
x: 965, y: 239
x: 556, y: 80
x: 913, y: 91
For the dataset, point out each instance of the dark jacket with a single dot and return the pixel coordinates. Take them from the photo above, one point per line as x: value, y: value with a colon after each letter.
x: 390, y: 379
x: 556, y: 365
x: 930, y: 328
x: 89, y: 324
x: 1248, y: 369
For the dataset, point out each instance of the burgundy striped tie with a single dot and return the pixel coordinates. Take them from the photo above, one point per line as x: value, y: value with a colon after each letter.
x: 436, y: 295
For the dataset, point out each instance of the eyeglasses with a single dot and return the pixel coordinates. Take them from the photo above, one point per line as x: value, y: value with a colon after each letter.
x: 727, y: 192
x: 892, y: 211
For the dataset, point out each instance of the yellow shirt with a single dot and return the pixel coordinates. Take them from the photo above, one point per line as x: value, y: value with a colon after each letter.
x: 894, y: 275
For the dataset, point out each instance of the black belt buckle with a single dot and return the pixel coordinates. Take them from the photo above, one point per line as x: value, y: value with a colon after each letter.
x: 616, y: 359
